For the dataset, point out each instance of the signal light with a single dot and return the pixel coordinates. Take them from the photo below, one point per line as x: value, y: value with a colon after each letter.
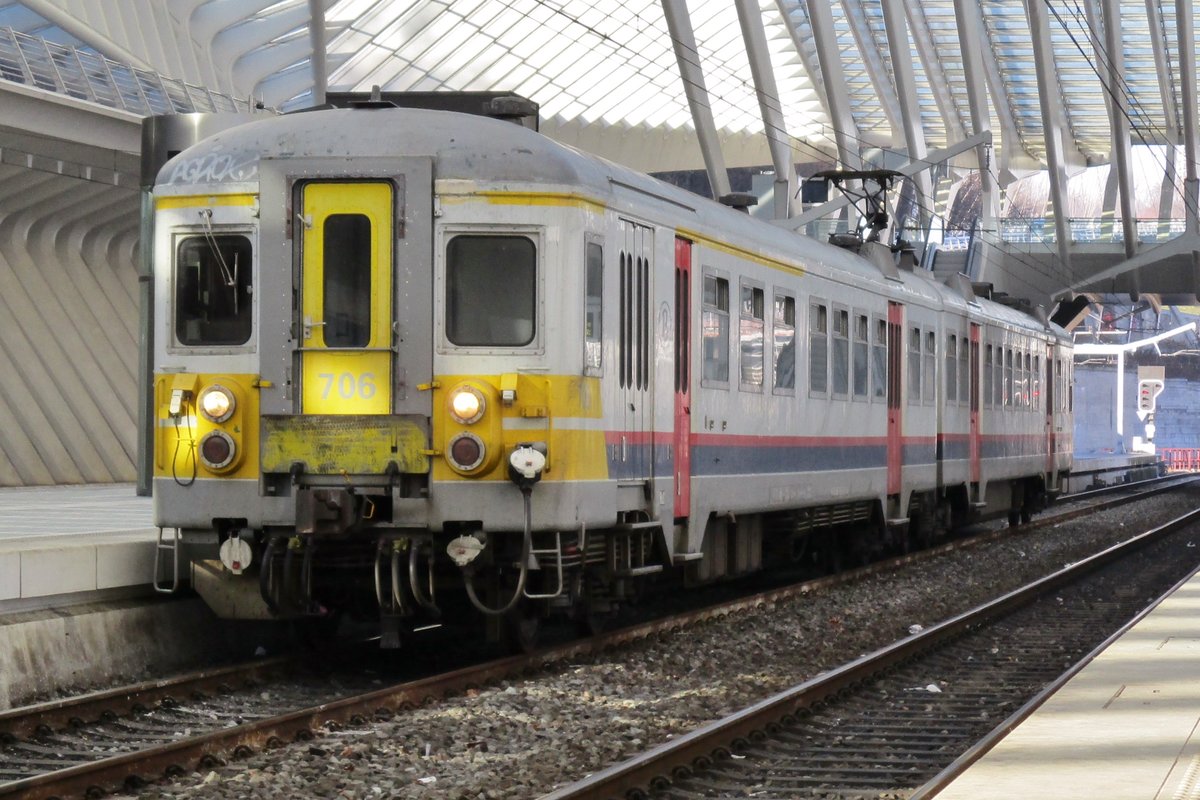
x: 217, y: 450
x: 1148, y: 391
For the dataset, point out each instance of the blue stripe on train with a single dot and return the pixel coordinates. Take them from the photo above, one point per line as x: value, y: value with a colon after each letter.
x: 709, y: 460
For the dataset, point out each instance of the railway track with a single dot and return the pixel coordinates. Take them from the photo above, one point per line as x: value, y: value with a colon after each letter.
x: 902, y: 721
x: 118, y: 739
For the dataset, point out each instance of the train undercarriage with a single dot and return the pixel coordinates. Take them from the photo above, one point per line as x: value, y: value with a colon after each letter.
x: 342, y: 561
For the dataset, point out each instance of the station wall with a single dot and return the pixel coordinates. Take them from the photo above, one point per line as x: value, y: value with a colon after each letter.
x: 68, y: 329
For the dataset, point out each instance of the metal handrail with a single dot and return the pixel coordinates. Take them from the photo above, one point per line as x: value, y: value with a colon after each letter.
x: 87, y: 75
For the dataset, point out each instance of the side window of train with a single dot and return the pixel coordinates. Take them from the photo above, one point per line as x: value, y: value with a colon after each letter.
x: 998, y: 378
x: 1037, y: 383
x: 951, y: 369
x: 1030, y: 383
x: 213, y: 290
x: 841, y: 352
x: 1070, y: 387
x: 1008, y: 377
x: 1021, y: 394
x: 987, y: 376
x: 1059, y: 386
x: 929, y: 375
x: 491, y: 290
x: 818, y: 348
x: 593, y: 317
x: 879, y: 360
x: 862, y: 328
x: 914, y: 365
x: 784, y: 338
x: 714, y: 325
x: 751, y: 336
x: 964, y: 370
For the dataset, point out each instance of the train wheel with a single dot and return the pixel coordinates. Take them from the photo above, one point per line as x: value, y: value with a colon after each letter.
x: 590, y: 618
x: 523, y: 628
x: 315, y: 633
x: 1014, y: 518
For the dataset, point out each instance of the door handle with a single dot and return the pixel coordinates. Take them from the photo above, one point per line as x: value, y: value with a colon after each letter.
x: 309, y: 324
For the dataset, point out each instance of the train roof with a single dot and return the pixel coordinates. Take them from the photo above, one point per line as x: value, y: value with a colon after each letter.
x: 476, y: 148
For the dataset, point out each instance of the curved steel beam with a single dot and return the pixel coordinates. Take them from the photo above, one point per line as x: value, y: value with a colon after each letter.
x: 828, y: 67
x: 873, y: 63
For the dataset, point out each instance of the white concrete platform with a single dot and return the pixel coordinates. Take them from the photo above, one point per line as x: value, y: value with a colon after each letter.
x: 1126, y: 726
x: 67, y: 541
x: 1084, y: 462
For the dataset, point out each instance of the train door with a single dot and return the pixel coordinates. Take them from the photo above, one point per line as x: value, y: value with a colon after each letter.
x: 346, y: 298
x: 683, y: 381
x: 974, y: 444
x: 895, y: 404
x: 634, y: 334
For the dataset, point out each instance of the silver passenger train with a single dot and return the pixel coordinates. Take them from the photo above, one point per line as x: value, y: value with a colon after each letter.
x: 420, y: 364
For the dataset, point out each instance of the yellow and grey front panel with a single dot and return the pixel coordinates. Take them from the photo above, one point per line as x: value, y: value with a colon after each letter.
x: 207, y: 426
x: 478, y: 420
x: 346, y: 306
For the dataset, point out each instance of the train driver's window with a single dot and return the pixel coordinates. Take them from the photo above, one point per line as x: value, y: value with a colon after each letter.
x: 714, y: 323
x: 213, y: 290
x: 594, y: 311
x: 818, y: 348
x: 491, y: 290
x: 785, y: 343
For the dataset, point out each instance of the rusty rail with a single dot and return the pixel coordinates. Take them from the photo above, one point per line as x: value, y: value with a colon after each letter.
x: 131, y: 769
x: 718, y: 740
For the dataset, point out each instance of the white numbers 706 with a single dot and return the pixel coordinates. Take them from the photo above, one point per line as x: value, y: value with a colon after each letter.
x: 347, y: 385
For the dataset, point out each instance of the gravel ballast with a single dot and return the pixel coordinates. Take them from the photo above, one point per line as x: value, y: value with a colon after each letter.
x: 523, y: 738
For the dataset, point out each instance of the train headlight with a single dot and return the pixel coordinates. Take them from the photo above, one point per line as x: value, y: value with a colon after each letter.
x: 467, y: 404
x: 217, y: 403
x: 466, y: 452
x: 217, y: 450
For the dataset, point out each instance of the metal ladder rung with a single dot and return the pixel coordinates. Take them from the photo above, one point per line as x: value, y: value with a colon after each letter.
x: 555, y: 551
x: 634, y: 572
x: 628, y: 527
x: 171, y: 545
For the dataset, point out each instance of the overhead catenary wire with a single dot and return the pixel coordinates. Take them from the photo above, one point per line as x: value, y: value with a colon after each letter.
x: 642, y: 60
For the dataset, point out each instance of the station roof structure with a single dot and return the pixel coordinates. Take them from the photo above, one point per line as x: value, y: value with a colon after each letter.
x: 1092, y: 101
x: 604, y: 67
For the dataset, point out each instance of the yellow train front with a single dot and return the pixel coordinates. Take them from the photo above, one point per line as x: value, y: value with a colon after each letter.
x: 344, y: 424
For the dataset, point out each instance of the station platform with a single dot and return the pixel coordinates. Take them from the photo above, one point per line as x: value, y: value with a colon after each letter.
x: 1094, y: 470
x: 63, y: 544
x: 1127, y: 725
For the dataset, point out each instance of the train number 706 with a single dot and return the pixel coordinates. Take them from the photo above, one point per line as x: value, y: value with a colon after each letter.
x: 348, y: 385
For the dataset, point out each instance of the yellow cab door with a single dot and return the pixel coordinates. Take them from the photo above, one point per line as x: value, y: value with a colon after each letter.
x: 346, y: 298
